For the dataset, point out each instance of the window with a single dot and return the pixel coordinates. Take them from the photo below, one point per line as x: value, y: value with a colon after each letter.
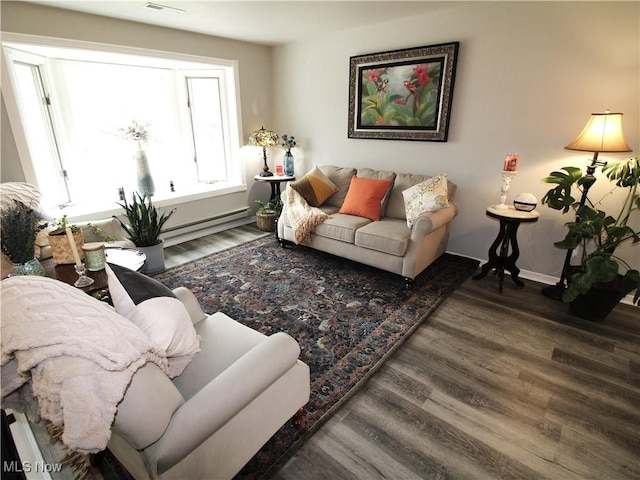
x: 73, y: 104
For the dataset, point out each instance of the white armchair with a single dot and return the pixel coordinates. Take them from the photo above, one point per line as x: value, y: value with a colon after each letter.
x: 210, y: 420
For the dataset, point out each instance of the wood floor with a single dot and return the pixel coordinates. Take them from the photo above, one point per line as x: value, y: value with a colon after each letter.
x: 491, y: 386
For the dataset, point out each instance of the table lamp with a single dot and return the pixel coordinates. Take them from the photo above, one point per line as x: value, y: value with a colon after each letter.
x: 264, y: 138
x: 603, y: 133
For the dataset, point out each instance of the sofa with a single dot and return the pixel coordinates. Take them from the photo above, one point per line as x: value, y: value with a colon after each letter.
x: 173, y: 393
x: 411, y: 228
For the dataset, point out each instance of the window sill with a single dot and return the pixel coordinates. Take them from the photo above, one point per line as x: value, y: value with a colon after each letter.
x: 84, y: 213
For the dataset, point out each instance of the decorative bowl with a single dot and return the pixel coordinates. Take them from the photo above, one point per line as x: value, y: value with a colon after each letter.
x: 525, y: 202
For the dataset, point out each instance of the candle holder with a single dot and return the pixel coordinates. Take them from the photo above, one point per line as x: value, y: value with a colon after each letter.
x: 83, y: 280
x: 506, y: 183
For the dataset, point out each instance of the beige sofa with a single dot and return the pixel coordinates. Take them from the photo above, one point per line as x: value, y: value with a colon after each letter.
x: 388, y: 244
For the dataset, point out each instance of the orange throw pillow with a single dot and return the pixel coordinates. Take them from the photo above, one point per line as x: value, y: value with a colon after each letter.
x: 364, y: 197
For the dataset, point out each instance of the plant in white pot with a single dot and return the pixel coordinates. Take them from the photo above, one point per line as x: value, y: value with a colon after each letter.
x: 144, y: 229
x: 598, y: 235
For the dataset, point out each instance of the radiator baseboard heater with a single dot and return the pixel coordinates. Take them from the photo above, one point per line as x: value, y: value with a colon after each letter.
x: 21, y: 455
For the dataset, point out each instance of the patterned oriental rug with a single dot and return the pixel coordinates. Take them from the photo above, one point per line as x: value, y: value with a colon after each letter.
x: 346, y: 317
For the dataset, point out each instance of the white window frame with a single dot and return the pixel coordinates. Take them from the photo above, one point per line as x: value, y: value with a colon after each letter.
x: 153, y: 57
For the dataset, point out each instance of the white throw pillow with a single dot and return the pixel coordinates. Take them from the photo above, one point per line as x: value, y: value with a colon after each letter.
x: 157, y: 312
x: 428, y: 196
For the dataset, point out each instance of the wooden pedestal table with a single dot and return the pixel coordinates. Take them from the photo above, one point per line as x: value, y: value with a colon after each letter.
x: 499, y: 257
x: 274, y: 181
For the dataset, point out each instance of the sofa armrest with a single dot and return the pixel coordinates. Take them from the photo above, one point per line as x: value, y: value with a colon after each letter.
x: 429, y: 221
x: 191, y: 303
x: 224, y: 396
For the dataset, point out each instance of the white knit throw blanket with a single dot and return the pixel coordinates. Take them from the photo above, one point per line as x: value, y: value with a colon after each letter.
x: 303, y: 217
x: 76, y: 354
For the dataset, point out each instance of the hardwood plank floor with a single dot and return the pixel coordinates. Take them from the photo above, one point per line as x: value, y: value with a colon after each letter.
x: 491, y: 386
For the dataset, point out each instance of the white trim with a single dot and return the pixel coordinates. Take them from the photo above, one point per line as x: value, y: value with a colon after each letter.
x: 79, y: 45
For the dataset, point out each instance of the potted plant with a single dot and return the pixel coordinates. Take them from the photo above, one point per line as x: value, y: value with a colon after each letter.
x: 144, y: 229
x: 267, y: 214
x: 19, y: 226
x: 598, y: 235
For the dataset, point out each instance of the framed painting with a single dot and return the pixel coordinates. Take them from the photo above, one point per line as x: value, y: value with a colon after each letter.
x: 402, y: 94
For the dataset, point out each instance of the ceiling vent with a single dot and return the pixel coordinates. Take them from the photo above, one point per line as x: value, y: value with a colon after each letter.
x: 163, y: 8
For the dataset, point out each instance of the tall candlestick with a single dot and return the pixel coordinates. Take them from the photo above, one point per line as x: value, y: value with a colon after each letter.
x: 74, y: 249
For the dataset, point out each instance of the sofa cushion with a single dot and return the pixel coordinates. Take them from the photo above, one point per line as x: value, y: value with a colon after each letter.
x: 390, y: 235
x: 314, y: 187
x: 157, y: 312
x: 364, y: 198
x: 428, y: 196
x: 341, y: 177
x: 341, y: 227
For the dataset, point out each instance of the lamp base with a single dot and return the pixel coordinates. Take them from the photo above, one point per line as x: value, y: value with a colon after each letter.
x: 266, y: 173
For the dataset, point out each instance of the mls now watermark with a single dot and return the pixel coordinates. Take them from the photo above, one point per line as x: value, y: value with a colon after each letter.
x: 30, y: 467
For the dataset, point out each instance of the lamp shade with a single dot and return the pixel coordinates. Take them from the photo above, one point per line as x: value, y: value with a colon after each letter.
x: 263, y: 138
x: 603, y: 133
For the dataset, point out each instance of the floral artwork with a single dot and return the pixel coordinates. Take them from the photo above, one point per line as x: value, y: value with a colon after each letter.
x: 403, y: 94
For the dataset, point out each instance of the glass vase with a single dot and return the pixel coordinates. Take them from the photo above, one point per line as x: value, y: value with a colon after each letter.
x: 287, y: 161
x: 145, y: 180
x: 32, y: 267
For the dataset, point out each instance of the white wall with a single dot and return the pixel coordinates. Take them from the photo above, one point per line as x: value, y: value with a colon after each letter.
x: 529, y: 74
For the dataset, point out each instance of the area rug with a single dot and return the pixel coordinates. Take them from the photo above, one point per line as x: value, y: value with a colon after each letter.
x: 346, y: 317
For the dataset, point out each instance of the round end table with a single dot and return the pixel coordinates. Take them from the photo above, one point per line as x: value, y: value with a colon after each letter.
x: 499, y: 257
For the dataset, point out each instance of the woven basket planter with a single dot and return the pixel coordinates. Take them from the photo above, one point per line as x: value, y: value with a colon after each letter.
x: 61, y: 248
x: 266, y: 222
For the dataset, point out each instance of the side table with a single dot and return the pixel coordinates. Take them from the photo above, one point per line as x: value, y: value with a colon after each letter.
x: 274, y: 181
x: 510, y: 220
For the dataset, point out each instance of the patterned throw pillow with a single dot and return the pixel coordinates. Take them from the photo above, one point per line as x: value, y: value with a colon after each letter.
x: 428, y: 196
x: 315, y: 187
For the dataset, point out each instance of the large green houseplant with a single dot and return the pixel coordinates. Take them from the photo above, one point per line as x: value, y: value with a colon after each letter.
x: 144, y: 229
x: 597, y: 233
